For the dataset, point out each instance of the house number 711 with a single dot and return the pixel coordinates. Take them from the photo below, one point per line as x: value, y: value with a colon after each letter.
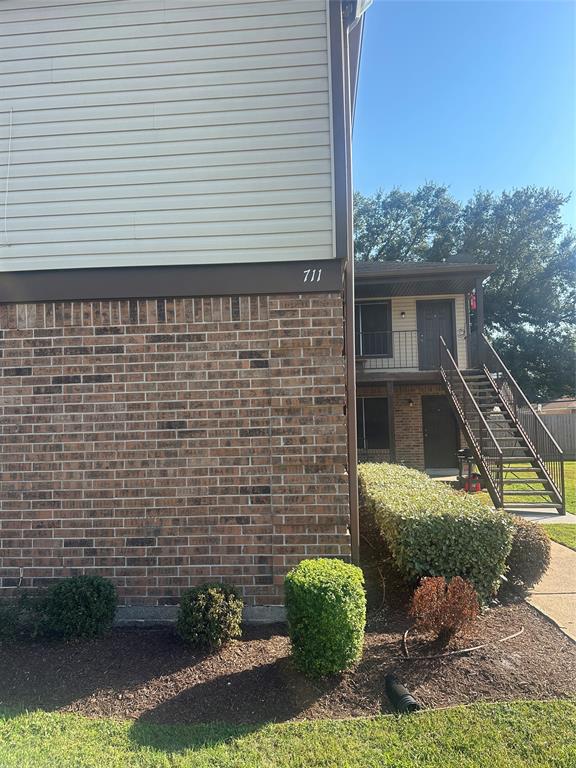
x: 312, y: 275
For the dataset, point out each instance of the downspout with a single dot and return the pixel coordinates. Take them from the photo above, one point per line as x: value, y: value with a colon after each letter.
x: 349, y: 304
x: 344, y: 16
x: 349, y: 344
x: 479, y: 319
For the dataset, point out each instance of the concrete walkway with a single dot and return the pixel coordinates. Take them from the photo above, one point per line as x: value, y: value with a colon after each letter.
x: 555, y: 594
x: 545, y: 516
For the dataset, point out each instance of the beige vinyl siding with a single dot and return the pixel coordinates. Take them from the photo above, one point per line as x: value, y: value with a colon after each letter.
x: 134, y: 132
x: 405, y: 344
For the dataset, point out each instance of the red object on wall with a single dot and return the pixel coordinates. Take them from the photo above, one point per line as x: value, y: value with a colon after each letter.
x: 473, y: 301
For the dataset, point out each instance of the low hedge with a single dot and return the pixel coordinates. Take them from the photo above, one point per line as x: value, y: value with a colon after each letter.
x: 432, y: 530
x: 326, y: 609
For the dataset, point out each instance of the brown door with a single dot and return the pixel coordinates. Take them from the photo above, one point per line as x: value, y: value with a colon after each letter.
x: 440, y: 432
x: 434, y: 319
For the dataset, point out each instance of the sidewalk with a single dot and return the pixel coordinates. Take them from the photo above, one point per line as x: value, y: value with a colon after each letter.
x: 545, y: 516
x: 555, y: 594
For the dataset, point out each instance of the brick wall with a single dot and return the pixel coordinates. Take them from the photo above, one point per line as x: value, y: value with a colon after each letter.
x: 407, y: 418
x: 408, y: 421
x: 165, y: 443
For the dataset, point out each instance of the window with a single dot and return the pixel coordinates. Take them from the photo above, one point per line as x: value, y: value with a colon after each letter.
x: 374, y: 329
x: 372, y: 423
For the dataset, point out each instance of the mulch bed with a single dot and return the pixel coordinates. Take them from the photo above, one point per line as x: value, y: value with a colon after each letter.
x: 149, y: 674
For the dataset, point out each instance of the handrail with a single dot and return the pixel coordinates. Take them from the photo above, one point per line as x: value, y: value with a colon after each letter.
x: 538, y: 438
x: 490, y: 457
x: 512, y: 381
x: 470, y: 395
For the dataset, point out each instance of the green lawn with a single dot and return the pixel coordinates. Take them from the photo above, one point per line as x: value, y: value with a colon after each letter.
x: 570, y: 482
x: 514, y: 735
x: 563, y: 534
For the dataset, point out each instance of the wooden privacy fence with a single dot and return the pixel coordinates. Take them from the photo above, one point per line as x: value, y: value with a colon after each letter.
x: 563, y: 427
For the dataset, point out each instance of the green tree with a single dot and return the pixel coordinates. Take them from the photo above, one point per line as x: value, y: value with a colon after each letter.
x: 407, y: 226
x: 529, y: 299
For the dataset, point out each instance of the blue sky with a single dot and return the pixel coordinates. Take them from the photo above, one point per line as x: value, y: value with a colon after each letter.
x: 469, y: 93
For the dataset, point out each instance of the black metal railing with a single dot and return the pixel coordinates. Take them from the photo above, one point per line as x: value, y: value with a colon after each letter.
x: 536, y: 434
x: 487, y: 453
x: 387, y: 349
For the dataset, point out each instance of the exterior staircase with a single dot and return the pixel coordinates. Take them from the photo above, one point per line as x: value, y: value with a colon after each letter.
x: 521, y: 463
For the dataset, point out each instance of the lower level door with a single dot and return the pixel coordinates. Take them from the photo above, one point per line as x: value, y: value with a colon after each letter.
x: 440, y: 433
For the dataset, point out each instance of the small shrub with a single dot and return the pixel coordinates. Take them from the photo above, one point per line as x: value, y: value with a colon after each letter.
x: 432, y: 530
x: 529, y: 556
x: 22, y: 617
x: 444, y: 608
x: 9, y: 622
x: 81, y: 606
x: 326, y: 608
x: 210, y: 615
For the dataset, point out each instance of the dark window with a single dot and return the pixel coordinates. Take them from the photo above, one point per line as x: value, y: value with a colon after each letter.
x: 374, y: 329
x: 372, y: 422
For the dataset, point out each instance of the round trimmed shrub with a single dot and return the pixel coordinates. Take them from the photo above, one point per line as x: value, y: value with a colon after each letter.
x: 529, y: 557
x: 210, y: 615
x: 326, y: 608
x: 81, y: 606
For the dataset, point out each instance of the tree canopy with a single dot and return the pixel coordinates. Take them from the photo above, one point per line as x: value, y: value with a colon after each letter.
x: 529, y: 299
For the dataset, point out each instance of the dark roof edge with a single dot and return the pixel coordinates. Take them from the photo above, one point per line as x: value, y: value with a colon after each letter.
x: 383, y: 270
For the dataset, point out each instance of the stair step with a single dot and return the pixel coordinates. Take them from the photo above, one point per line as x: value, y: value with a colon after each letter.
x: 501, y: 409
x: 532, y: 505
x: 522, y: 469
x: 514, y: 459
x: 528, y: 493
x: 511, y: 442
x: 514, y: 480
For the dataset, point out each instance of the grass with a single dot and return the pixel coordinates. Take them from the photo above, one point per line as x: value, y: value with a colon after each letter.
x: 511, y: 735
x: 563, y: 534
x: 570, y: 483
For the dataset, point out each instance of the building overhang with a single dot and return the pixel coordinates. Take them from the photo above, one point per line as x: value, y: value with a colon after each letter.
x: 388, y: 279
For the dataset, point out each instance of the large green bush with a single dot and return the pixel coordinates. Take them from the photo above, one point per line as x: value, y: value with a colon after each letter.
x: 210, y: 615
x: 432, y: 530
x: 529, y: 556
x: 81, y: 606
x: 326, y: 608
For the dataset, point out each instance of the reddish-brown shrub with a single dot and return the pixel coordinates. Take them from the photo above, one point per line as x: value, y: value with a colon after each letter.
x: 444, y: 608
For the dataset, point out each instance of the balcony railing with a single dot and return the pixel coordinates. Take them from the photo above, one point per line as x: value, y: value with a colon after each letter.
x: 387, y: 349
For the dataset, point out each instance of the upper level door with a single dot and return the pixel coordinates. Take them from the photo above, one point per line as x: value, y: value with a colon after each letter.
x: 434, y: 318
